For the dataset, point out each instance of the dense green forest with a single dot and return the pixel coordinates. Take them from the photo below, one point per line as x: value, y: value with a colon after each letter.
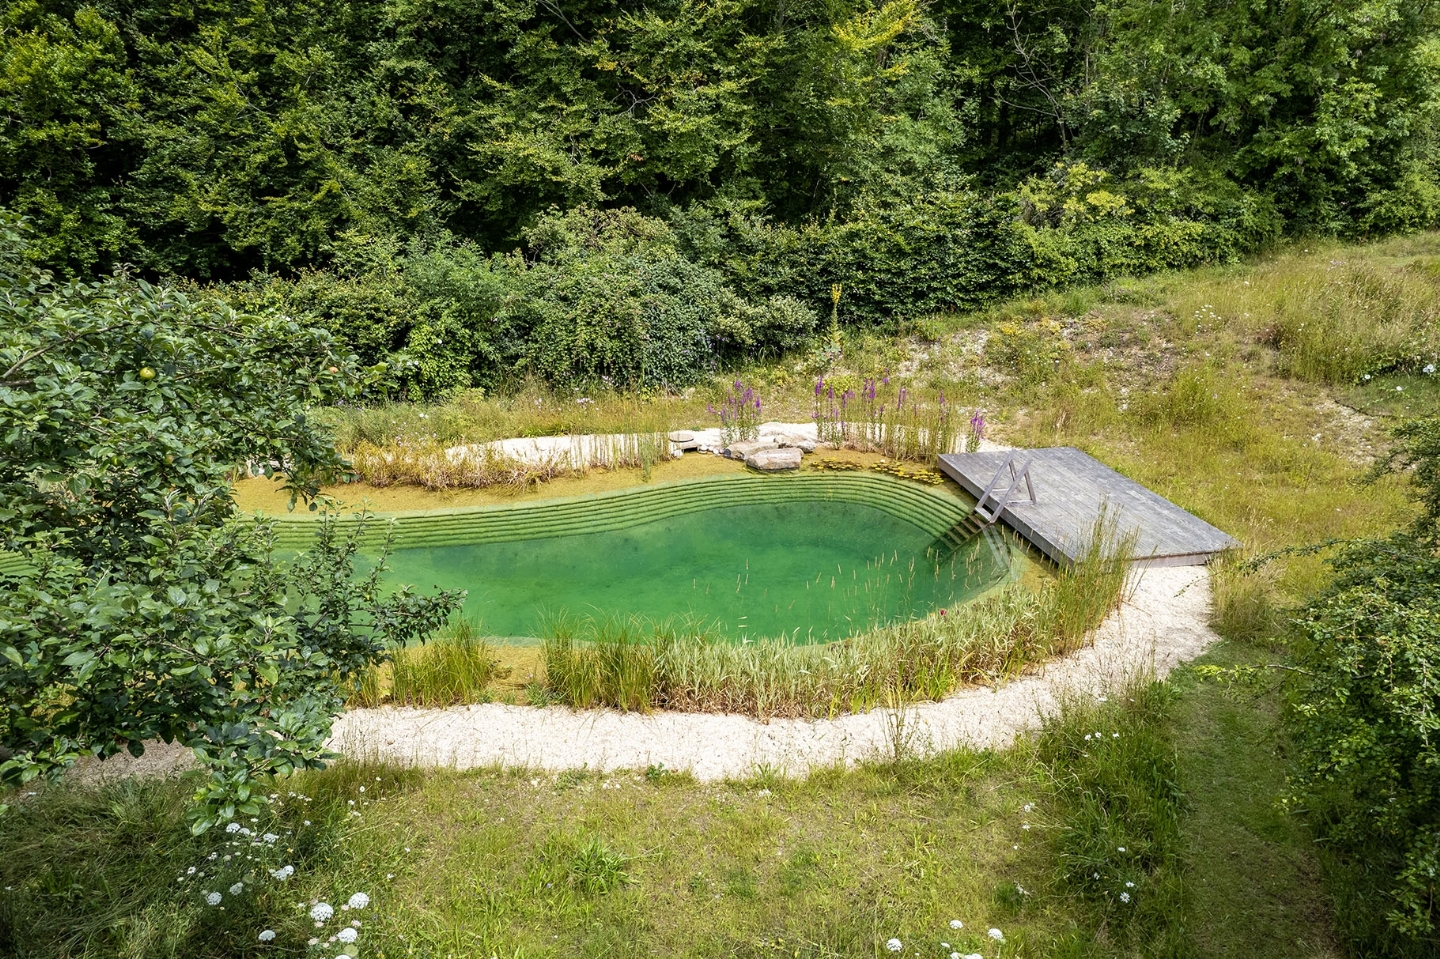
x: 579, y: 189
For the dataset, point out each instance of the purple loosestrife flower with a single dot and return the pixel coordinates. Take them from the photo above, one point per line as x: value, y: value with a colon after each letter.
x: 819, y: 385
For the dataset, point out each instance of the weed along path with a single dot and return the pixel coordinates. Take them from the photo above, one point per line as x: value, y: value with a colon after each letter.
x: 1162, y: 623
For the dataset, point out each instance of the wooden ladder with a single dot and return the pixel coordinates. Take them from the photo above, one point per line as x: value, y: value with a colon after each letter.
x: 992, y: 501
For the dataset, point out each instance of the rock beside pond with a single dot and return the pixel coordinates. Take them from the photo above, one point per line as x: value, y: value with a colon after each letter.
x: 684, y: 440
x: 804, y: 444
x: 774, y: 459
x: 741, y: 449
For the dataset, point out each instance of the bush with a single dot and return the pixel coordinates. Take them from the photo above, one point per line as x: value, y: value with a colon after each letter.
x: 1364, y: 710
x: 149, y: 608
x: 1367, y: 739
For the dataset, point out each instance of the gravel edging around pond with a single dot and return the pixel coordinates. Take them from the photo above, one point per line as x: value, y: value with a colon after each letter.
x: 1164, y: 622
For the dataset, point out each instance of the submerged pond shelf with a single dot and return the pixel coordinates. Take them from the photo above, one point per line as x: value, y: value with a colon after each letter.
x: 811, y: 557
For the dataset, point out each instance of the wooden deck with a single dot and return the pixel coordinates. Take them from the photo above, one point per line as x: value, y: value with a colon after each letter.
x: 1071, y: 488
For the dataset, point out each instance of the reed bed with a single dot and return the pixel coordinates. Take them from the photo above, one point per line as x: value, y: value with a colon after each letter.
x: 639, y: 665
x: 432, y: 465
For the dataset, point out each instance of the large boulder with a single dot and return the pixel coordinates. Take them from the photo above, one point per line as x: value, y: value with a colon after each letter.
x: 773, y: 459
x: 801, y: 442
x: 741, y: 449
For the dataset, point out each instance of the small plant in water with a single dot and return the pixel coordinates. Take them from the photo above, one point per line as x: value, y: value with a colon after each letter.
x: 739, y: 414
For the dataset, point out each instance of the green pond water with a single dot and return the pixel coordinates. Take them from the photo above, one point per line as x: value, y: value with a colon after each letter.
x: 814, y: 571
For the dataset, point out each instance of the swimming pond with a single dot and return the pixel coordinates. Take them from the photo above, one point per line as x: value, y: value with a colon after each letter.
x: 814, y: 558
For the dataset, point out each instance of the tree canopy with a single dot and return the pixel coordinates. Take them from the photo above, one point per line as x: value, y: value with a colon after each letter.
x: 210, y: 140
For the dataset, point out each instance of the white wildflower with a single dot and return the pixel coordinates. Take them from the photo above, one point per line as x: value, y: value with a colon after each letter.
x: 347, y: 935
x: 270, y: 837
x: 234, y: 827
x: 359, y: 901
x: 268, y: 935
x: 1124, y: 897
x: 956, y: 924
x: 1120, y: 848
x: 213, y: 898
x: 237, y: 889
x: 1129, y: 885
x: 321, y: 911
x: 894, y: 945
x: 996, y: 934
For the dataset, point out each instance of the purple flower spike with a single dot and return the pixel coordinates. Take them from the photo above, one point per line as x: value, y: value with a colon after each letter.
x: 757, y: 404
x: 819, y: 385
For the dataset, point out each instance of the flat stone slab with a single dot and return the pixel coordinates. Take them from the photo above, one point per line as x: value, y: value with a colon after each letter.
x: 741, y: 449
x: 774, y: 459
x: 1071, y: 490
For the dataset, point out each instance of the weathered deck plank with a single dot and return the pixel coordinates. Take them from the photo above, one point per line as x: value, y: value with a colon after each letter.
x: 1071, y: 489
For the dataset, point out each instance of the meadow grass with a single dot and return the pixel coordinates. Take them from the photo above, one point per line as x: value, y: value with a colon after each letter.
x: 637, y: 665
x: 622, y: 863
x: 430, y: 464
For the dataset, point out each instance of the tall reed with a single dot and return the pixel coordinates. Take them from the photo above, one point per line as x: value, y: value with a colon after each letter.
x: 637, y: 664
x: 429, y: 464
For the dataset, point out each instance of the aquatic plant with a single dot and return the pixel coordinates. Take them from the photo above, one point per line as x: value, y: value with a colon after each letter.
x: 880, y: 418
x: 739, y: 414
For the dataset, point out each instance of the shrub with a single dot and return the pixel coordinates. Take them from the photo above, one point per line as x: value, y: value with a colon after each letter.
x: 1367, y: 737
x: 150, y: 610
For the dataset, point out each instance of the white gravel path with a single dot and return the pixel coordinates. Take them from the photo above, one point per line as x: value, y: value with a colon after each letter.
x: 1162, y: 623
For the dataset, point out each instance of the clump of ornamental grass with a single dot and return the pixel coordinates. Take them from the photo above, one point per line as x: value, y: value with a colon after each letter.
x: 455, y: 668
x: 637, y: 664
